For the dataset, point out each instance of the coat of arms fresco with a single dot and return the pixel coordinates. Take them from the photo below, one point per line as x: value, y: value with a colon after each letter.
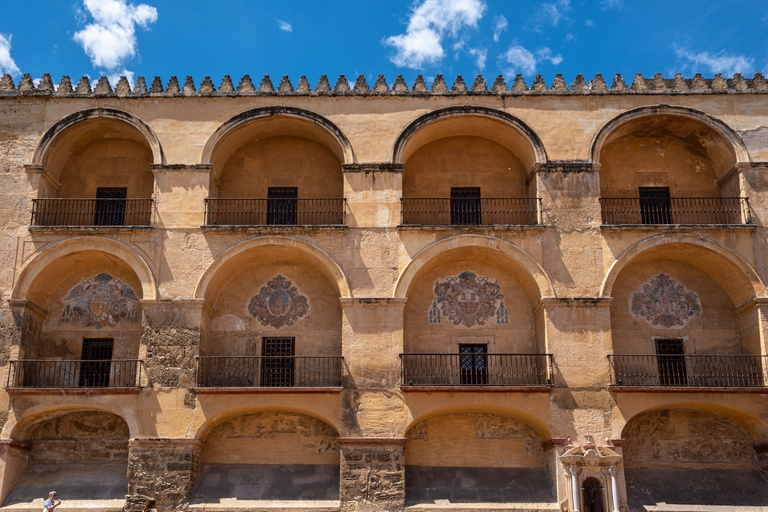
x: 665, y: 302
x: 100, y: 301
x: 468, y: 299
x: 278, y: 303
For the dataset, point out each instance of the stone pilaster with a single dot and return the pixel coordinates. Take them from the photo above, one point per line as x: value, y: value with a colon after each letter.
x: 762, y: 459
x: 173, y: 333
x: 13, y: 459
x: 372, y: 474
x: 180, y: 194
x: 373, y: 193
x: 164, y: 469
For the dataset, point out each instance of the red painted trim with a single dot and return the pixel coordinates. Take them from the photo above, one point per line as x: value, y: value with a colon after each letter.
x: 477, y: 389
x: 72, y: 391
x: 688, y: 389
x: 262, y: 391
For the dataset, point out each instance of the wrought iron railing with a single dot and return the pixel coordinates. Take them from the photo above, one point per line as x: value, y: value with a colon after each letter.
x: 269, y: 372
x: 44, y: 373
x: 470, y: 211
x: 697, y: 370
x: 276, y: 212
x: 476, y: 369
x: 676, y: 210
x: 91, y: 212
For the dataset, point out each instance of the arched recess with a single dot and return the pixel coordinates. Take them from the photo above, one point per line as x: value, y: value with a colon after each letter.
x: 41, y: 267
x: 68, y: 448
x: 271, y: 122
x: 471, y: 120
x: 263, y: 453
x: 690, y: 456
x: 56, y: 132
x: 506, y: 255
x: 494, y: 449
x: 222, y: 268
x: 731, y: 271
x: 15, y: 428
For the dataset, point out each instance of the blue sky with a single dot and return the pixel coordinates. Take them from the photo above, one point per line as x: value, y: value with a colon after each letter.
x: 302, y: 37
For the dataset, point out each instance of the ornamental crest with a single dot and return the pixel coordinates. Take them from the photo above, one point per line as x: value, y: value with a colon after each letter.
x: 665, y: 302
x: 278, y: 304
x: 101, y: 301
x: 468, y: 299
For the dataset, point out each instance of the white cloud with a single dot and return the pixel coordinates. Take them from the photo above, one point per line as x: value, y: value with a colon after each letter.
x: 520, y: 60
x: 500, y: 24
x: 284, y: 26
x: 546, y: 54
x: 589, y: 23
x: 115, y: 77
x: 480, y: 55
x: 612, y: 5
x: 430, y: 21
x: 721, y: 62
x: 111, y: 38
x: 570, y: 37
x: 553, y: 12
x: 7, y: 64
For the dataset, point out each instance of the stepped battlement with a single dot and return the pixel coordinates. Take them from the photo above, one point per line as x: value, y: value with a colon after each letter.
x: 518, y: 86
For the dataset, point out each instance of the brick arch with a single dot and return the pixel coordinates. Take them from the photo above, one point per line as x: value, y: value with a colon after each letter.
x: 533, y: 277
x: 46, y: 142
x: 17, y: 426
x: 506, y: 129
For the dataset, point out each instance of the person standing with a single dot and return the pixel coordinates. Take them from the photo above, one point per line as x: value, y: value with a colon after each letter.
x: 150, y: 505
x: 51, y: 503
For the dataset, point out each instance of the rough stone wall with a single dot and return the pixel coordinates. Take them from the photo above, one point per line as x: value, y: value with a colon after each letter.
x: 79, y: 437
x: 164, y: 469
x: 687, y: 438
x: 372, y: 477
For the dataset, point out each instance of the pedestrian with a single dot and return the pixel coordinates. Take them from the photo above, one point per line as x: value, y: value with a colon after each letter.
x: 51, y: 503
x: 150, y: 506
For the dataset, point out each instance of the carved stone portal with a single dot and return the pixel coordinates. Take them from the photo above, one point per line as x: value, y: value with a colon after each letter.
x: 665, y: 302
x: 591, y: 472
x: 278, y: 304
x: 468, y: 299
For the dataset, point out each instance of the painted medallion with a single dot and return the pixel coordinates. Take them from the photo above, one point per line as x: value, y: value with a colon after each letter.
x: 278, y: 303
x: 664, y: 302
x: 100, y: 301
x: 468, y: 299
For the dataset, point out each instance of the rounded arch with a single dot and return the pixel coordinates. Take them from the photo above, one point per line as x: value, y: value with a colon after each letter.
x: 202, y: 431
x: 535, y: 280
x: 301, y: 122
x: 38, y: 264
x: 15, y: 430
x: 755, y: 425
x: 540, y: 427
x: 496, y: 125
x: 613, y: 129
x: 52, y: 135
x: 728, y: 268
x: 208, y: 283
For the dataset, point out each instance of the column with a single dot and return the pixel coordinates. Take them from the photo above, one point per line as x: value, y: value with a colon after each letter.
x: 180, y: 194
x: 372, y: 474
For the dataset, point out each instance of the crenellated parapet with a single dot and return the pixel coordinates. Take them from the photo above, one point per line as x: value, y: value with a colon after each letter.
x: 360, y: 87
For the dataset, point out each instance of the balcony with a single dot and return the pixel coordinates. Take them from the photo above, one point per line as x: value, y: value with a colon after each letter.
x: 485, y: 370
x: 676, y: 210
x: 108, y: 213
x: 486, y: 211
x: 706, y: 371
x: 269, y: 372
x: 74, y: 374
x: 275, y: 212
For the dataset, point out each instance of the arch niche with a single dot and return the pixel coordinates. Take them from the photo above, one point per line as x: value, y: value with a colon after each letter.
x: 98, y: 148
x: 244, y: 277
x: 277, y: 147
x: 681, y: 148
x: 468, y: 147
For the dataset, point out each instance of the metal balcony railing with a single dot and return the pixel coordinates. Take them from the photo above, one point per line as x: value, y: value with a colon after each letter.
x: 269, y: 371
x: 485, y: 211
x: 676, y: 210
x: 276, y: 212
x: 476, y: 369
x: 91, y: 212
x: 71, y: 374
x: 688, y: 370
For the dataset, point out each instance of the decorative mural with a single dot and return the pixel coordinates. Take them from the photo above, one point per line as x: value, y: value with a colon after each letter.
x: 101, y: 301
x: 468, y: 299
x: 665, y: 302
x: 278, y: 304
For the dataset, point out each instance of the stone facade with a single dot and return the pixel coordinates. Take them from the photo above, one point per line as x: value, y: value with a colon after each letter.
x: 464, y: 295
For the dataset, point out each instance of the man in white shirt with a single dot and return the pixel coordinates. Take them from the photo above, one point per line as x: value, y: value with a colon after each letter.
x: 51, y: 503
